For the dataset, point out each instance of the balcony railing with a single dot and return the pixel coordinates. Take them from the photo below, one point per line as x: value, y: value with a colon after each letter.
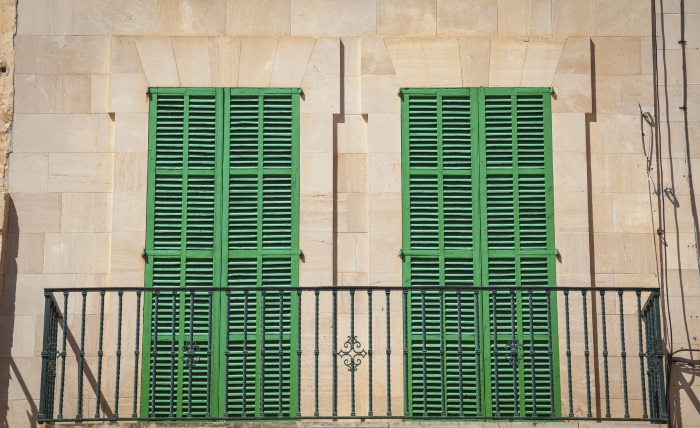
x: 473, y: 353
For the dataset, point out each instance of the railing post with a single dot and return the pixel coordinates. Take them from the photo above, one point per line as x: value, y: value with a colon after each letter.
x: 659, y: 355
x: 44, y: 393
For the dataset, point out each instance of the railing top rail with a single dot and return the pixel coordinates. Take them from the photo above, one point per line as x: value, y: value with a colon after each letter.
x: 49, y: 290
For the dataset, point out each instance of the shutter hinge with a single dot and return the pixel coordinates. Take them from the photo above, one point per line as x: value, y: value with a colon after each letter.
x: 144, y: 255
x: 402, y: 255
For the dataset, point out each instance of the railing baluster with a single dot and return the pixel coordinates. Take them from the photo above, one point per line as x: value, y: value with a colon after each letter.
x: 369, y: 352
x: 532, y: 357
x: 99, y: 355
x: 299, y: 354
x: 227, y: 352
x: 514, y: 354
x: 477, y: 334
x: 63, y: 355
x: 334, y: 345
x: 119, y: 355
x: 587, y: 354
x: 262, y: 356
x: 641, y: 354
x: 81, y: 361
x: 136, y: 350
x: 624, y: 355
x: 388, y: 352
x: 190, y: 356
x: 495, y: 353
x: 352, y: 344
x: 45, y: 358
x: 316, y: 352
x: 568, y: 353
x: 173, y: 357
x: 605, y: 356
x: 459, y: 354
x: 154, y: 352
x: 245, y: 354
x: 425, y: 355
x: 550, y: 353
x: 280, y: 349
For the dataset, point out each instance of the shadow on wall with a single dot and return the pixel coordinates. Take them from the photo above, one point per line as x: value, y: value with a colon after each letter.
x: 9, y: 371
x: 682, y: 381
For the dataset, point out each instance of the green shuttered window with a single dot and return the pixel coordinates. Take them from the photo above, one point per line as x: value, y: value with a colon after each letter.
x: 478, y: 204
x: 222, y: 212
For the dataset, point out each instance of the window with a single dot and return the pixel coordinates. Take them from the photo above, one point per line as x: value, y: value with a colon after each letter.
x: 478, y: 204
x: 222, y: 212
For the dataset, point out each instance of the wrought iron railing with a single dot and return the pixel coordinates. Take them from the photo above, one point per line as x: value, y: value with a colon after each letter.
x: 352, y: 353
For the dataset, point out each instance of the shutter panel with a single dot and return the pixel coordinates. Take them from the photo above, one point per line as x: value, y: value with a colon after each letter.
x: 181, y: 248
x: 439, y: 240
x: 262, y: 250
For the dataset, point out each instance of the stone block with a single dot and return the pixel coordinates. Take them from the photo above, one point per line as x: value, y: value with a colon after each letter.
x: 573, y: 93
x: 325, y: 58
x: 352, y: 173
x: 602, y: 204
x: 541, y: 62
x: 224, y: 54
x: 613, y: 173
x: 352, y: 134
x: 352, y: 95
x: 192, y: 60
x: 524, y: 18
x: 475, y: 53
x: 672, y: 28
x: 52, y: 94
x: 385, y: 173
x: 126, y: 252
x: 647, y: 56
x: 380, y: 95
x: 258, y: 18
x: 120, y: 17
x: 621, y: 133
x: 571, y: 211
x: 384, y: 133
x: 15, y: 332
x: 384, y: 255
x: 61, y: 55
x: 45, y: 17
x: 347, y: 252
x: 406, y: 18
x: 467, y: 17
x: 321, y: 95
x: 576, y: 56
x: 569, y: 132
x: 130, y: 171
x: 29, y: 172
x: 35, y: 213
x: 507, y: 61
x: 570, y: 172
x: 624, y: 18
x: 80, y: 172
x: 99, y: 93
x: 409, y: 62
x: 636, y: 91
x: 127, y: 93
x: 384, y: 212
x: 316, y: 173
x: 129, y: 212
x: 25, y: 253
x: 574, y: 17
x: 257, y: 59
x: 123, y: 56
x: 86, y: 212
x: 191, y: 17
x: 618, y: 56
x: 608, y: 94
x: 331, y: 18
x: 158, y: 60
x: 291, y: 60
x: 633, y: 212
x: 574, y: 250
x: 316, y: 212
x: 316, y: 133
x: 105, y: 141
x: 318, y: 257
x: 55, y: 133
x: 77, y: 253
x: 444, y: 63
x: 357, y: 213
x: 375, y: 57
x: 620, y: 253
x: 131, y: 132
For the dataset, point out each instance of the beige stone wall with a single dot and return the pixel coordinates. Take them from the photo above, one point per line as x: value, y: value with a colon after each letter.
x: 77, y: 175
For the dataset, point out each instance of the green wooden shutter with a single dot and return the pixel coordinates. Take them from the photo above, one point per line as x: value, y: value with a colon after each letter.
x: 181, y: 246
x: 518, y: 248
x: 262, y: 249
x: 439, y: 232
x: 223, y: 212
x: 477, y: 193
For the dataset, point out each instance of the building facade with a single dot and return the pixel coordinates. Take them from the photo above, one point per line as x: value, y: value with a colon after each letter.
x: 298, y: 209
